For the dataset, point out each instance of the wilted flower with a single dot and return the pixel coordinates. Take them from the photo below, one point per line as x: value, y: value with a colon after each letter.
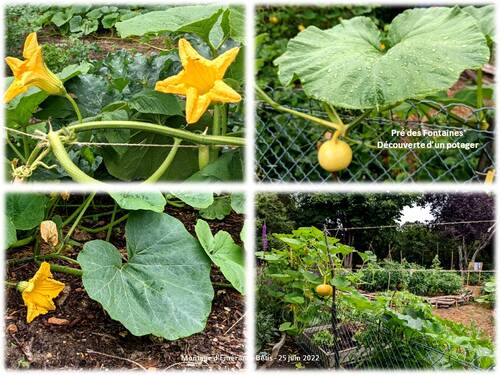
x: 49, y: 233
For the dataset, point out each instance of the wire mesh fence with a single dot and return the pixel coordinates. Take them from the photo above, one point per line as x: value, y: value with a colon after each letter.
x: 462, y: 152
x: 342, y: 338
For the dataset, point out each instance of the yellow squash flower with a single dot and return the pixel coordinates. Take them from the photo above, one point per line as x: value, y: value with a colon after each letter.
x: 39, y: 291
x: 200, y: 81
x: 32, y: 72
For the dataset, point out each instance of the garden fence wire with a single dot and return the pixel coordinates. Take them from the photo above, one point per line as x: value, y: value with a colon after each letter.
x: 287, y: 145
x: 367, y: 342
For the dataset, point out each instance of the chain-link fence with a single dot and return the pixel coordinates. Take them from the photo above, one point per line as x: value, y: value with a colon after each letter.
x: 287, y: 145
x: 345, y: 339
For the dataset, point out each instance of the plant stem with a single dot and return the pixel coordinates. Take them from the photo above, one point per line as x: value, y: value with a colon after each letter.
x: 73, y: 215
x: 105, y: 227
x: 213, y: 50
x: 162, y: 169
x: 222, y: 285
x: 100, y: 214
x: 62, y: 156
x: 11, y: 284
x: 59, y: 256
x: 332, y: 113
x: 224, y: 119
x: 110, y: 229
x: 479, y: 92
x: 22, y: 242
x: 327, y: 124
x: 75, y: 107
x: 159, y: 129
x: 26, y: 146
x: 64, y: 269
x: 86, y: 204
x: 357, y: 120
x: 16, y: 151
x: 34, y: 153
x: 216, y: 129
x: 36, y: 248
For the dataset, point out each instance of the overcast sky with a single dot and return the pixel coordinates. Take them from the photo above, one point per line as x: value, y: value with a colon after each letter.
x: 416, y: 213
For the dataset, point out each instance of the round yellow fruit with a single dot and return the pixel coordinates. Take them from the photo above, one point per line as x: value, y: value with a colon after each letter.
x: 334, y: 155
x: 324, y: 290
x: 274, y: 20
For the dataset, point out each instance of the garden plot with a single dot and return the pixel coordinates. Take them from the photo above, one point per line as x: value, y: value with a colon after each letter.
x: 112, y: 93
x: 141, y: 301
x: 321, y: 302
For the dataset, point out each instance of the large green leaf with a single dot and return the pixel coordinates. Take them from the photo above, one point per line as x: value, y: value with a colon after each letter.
x: 163, y: 289
x: 238, y: 202
x: 196, y: 200
x: 352, y: 65
x: 138, y: 163
x: 485, y: 17
x: 219, y: 209
x: 228, y: 167
x: 197, y: 19
x: 26, y: 210
x: 228, y: 256
x: 150, y: 101
x: 149, y: 201
x: 10, y: 232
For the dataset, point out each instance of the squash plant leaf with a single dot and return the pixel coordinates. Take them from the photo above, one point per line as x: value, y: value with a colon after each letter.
x: 354, y: 65
x: 238, y: 202
x: 485, y: 17
x: 219, y: 209
x: 26, y: 211
x: 150, y: 201
x: 196, y: 200
x: 10, y: 232
x: 163, y: 288
x: 222, y: 250
x: 197, y: 19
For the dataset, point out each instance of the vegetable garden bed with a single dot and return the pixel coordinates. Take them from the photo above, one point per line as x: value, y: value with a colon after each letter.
x: 92, y: 111
x: 89, y: 326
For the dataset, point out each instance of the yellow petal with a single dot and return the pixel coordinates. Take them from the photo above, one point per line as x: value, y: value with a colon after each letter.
x: 196, y: 105
x: 42, y: 289
x: 223, y: 61
x: 30, y: 46
x: 172, y: 85
x: 15, y: 65
x: 15, y: 88
x: 186, y: 52
x: 200, y: 75
x: 33, y: 311
x: 32, y: 72
x: 223, y: 93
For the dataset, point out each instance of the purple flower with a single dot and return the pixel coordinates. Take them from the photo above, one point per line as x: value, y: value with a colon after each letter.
x: 265, y: 243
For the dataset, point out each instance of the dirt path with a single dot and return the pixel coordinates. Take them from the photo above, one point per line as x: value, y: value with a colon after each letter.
x: 92, y: 340
x: 477, y: 314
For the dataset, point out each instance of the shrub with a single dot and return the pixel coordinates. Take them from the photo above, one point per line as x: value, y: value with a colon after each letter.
x: 488, y: 293
x: 389, y: 275
x: 75, y: 51
x: 265, y: 329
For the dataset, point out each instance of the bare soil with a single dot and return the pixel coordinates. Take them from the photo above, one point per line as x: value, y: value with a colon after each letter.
x: 479, y: 315
x: 110, y: 43
x: 90, y: 339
